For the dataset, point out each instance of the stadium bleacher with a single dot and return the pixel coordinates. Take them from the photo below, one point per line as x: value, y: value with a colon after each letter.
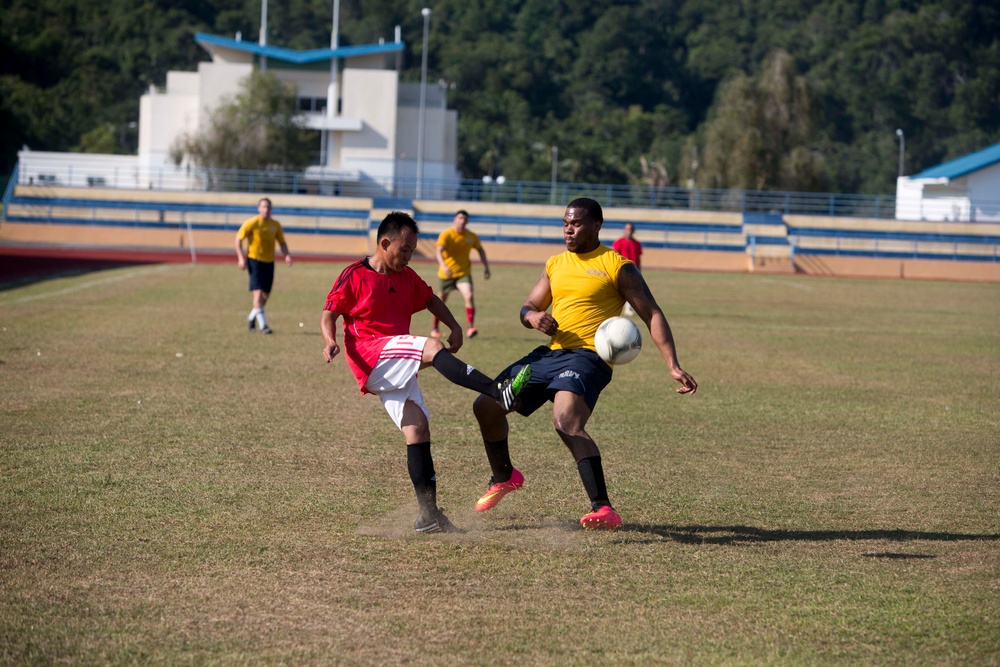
x: 205, y: 222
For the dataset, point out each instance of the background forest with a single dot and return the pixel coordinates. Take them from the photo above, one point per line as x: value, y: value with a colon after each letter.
x: 758, y: 94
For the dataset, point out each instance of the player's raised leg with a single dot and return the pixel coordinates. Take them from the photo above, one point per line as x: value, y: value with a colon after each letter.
x: 494, y: 428
x: 505, y: 392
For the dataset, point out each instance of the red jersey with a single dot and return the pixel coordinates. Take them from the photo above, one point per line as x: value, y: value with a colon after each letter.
x: 376, y: 306
x: 628, y: 248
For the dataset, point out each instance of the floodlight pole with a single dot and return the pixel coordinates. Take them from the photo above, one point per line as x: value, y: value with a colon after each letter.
x: 423, y: 104
x: 262, y: 40
x: 902, y: 150
x: 328, y: 145
x: 555, y: 171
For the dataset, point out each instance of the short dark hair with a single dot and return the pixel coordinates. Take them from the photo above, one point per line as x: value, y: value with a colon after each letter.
x: 392, y: 225
x: 593, y: 209
x: 265, y: 199
x: 462, y: 211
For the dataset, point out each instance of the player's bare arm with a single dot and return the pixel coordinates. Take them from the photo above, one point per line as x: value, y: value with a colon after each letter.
x: 633, y: 287
x: 288, y: 256
x: 486, y: 264
x: 241, y: 257
x: 534, y: 313
x: 437, y: 308
x: 439, y: 251
x: 328, y: 327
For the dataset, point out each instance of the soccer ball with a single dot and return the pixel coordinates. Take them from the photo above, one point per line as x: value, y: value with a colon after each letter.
x: 617, y: 340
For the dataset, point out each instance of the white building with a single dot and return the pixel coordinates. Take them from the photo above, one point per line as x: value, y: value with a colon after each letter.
x: 966, y: 189
x: 366, y: 121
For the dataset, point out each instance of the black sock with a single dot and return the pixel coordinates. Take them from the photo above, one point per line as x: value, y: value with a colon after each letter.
x: 457, y: 371
x: 592, y: 474
x: 499, y: 458
x: 421, y: 468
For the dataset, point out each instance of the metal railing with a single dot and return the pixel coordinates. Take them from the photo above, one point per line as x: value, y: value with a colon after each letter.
x: 8, y: 191
x: 521, y: 192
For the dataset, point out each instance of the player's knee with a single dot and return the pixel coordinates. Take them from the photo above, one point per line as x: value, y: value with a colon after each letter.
x: 567, y: 426
x: 486, y: 410
x: 431, y: 349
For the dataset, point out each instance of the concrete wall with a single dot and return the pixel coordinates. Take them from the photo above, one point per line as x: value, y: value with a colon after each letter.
x: 85, y: 170
x: 974, y: 197
x: 163, y: 117
x: 984, y: 194
x: 371, y: 96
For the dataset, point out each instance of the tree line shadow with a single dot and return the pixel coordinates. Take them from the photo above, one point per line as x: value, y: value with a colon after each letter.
x: 19, y: 271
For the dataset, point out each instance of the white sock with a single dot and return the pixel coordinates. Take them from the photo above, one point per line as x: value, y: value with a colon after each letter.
x: 253, y: 314
x: 261, y: 319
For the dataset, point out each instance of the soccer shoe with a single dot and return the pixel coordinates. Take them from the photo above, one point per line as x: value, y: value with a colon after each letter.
x: 266, y: 330
x: 498, y: 490
x: 472, y: 332
x: 435, y: 333
x: 437, y: 522
x: 512, y: 387
x: 605, y: 517
x: 252, y: 325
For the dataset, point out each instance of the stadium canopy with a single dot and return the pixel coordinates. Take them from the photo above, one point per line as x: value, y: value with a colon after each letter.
x: 961, y: 166
x: 213, y: 42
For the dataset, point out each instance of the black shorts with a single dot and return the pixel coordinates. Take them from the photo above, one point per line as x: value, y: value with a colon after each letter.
x: 579, y: 371
x: 261, y: 275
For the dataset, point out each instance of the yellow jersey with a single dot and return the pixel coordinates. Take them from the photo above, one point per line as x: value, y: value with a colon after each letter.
x: 584, y: 294
x: 261, y: 236
x: 455, y: 248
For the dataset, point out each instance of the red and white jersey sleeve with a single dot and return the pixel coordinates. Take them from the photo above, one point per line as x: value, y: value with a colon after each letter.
x: 375, y: 307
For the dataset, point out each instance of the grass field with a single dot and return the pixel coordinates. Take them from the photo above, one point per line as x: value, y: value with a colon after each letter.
x: 177, y: 491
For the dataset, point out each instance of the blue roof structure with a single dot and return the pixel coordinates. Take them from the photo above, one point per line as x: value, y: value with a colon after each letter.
x: 298, y: 57
x: 961, y: 166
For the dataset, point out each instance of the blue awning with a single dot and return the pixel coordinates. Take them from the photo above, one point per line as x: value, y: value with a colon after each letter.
x: 961, y: 166
x: 297, y: 57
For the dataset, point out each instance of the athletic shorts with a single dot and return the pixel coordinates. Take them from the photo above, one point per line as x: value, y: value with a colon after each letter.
x: 451, y: 284
x: 579, y: 371
x: 394, y: 381
x: 261, y: 275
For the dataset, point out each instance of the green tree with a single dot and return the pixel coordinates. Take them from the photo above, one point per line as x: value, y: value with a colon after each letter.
x: 761, y: 133
x: 101, y: 139
x: 632, y: 91
x: 258, y: 129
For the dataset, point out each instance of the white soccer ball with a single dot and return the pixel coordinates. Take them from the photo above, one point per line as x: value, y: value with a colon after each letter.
x: 618, y: 340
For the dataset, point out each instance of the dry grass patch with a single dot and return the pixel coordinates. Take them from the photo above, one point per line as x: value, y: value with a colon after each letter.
x: 177, y: 490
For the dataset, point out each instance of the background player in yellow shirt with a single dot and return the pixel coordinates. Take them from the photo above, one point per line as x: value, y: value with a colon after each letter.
x: 585, y: 285
x: 453, y: 248
x: 260, y: 232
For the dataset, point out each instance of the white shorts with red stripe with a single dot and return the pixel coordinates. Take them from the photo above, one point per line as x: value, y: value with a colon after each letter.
x: 394, y: 378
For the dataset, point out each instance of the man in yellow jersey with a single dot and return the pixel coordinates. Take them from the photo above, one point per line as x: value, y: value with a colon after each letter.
x: 584, y: 286
x: 454, y: 246
x: 260, y: 233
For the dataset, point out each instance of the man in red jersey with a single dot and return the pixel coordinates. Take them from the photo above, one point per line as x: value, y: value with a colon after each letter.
x: 629, y: 247
x: 377, y: 296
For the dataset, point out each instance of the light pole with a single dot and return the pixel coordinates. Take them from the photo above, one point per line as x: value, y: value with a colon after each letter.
x: 262, y: 39
x: 555, y: 172
x: 902, y: 150
x: 423, y: 104
x: 328, y: 138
